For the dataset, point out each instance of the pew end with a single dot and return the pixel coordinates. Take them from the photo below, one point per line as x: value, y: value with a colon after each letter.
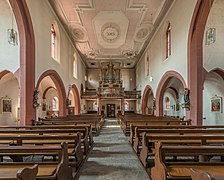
x: 27, y: 173
x: 196, y: 175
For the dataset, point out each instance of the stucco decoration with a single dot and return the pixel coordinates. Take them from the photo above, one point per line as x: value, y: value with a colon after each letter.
x: 142, y: 33
x: 129, y: 53
x: 92, y: 54
x: 110, y: 32
x: 79, y: 33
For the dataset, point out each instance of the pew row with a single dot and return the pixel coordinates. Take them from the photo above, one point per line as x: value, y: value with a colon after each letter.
x: 29, y: 131
x: 55, y: 127
x: 74, y: 143
x: 46, y: 169
x: 142, y: 128
x: 138, y: 133
x: 165, y: 168
x: 96, y: 121
x: 140, y: 120
x: 149, y: 140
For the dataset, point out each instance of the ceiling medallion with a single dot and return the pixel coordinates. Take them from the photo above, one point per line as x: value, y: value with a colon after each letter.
x: 129, y: 53
x: 79, y: 33
x: 142, y: 33
x: 110, y: 32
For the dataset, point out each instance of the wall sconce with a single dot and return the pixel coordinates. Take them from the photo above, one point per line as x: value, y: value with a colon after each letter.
x: 150, y: 78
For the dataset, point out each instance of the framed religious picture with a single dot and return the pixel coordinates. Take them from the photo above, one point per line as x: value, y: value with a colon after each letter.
x: 216, y: 104
x: 6, y: 105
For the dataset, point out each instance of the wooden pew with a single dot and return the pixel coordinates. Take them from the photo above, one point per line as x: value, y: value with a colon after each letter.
x: 95, y: 121
x: 46, y: 169
x: 148, y: 141
x: 29, y: 131
x: 196, y: 175
x: 73, y: 140
x: 13, y: 173
x: 167, y: 169
x: 142, y: 128
x: 140, y: 120
x: 138, y: 133
x: 54, y: 127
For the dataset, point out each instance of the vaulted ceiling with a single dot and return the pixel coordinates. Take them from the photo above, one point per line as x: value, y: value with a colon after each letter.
x: 110, y: 30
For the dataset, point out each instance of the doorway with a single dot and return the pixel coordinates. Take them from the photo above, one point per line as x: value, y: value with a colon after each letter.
x: 110, y: 110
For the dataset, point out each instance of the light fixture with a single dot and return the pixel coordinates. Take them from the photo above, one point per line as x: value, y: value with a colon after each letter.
x: 150, y: 78
x: 12, y: 34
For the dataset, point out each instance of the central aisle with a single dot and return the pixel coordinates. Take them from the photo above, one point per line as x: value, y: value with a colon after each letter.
x: 112, y: 158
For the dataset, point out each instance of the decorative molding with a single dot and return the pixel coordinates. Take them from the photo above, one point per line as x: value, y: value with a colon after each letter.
x: 110, y: 32
x: 79, y: 33
x: 129, y: 53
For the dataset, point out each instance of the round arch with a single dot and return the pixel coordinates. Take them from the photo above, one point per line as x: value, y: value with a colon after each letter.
x: 196, y: 71
x: 59, y: 86
x: 27, y: 60
x: 162, y: 87
x: 145, y: 97
x: 219, y: 71
x: 77, y: 99
x: 3, y: 73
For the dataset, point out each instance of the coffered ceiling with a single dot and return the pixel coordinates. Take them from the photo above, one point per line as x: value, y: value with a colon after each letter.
x: 110, y: 30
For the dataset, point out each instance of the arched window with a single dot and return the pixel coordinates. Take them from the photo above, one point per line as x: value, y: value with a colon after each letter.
x: 55, y: 42
x: 55, y: 104
x: 167, y: 103
x: 168, y: 41
x: 75, y: 68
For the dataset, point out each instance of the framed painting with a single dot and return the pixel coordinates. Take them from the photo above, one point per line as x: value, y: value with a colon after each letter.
x: 6, y: 105
x: 216, y: 104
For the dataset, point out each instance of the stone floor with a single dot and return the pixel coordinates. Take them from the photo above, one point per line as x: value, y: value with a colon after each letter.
x: 112, y: 158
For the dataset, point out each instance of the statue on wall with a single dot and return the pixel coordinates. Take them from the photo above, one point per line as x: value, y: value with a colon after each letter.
x: 35, y: 99
x: 186, y: 98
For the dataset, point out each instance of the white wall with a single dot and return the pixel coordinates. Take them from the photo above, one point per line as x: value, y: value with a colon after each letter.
x: 9, y: 87
x: 93, y: 78
x: 213, y: 53
x: 42, y: 18
x: 213, y: 85
x: 128, y: 78
x: 180, y: 23
x: 9, y: 54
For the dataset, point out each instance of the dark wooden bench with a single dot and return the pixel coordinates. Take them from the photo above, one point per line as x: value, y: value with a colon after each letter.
x: 19, y: 173
x: 58, y: 170
x: 142, y: 128
x: 148, y: 141
x: 140, y: 120
x: 96, y: 121
x: 73, y: 140
x: 138, y: 133
x: 55, y: 127
x: 29, y: 131
x: 165, y: 168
